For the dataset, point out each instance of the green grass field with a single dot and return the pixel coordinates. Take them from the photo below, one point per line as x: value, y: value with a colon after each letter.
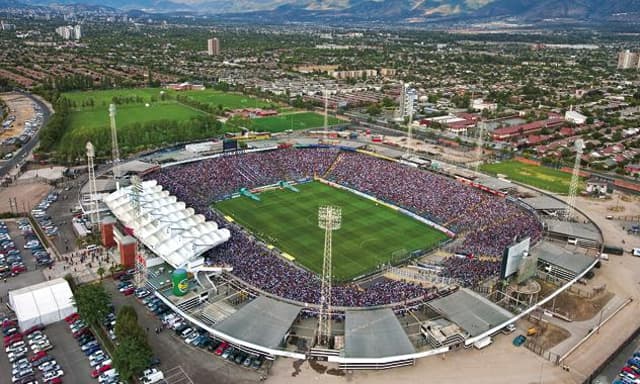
x: 129, y: 114
x: 540, y: 177
x: 370, y: 234
x: 228, y: 100
x: 102, y: 98
x: 294, y: 121
x: 139, y: 128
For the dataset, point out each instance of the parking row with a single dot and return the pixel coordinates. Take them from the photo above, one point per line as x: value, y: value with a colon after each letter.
x: 39, y: 212
x: 190, y: 334
x: 27, y: 353
x: 630, y: 373
x: 11, y: 262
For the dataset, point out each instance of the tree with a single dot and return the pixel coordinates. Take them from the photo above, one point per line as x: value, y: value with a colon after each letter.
x: 92, y: 302
x: 132, y: 355
x: 374, y: 110
x: 126, y: 322
x: 100, y: 272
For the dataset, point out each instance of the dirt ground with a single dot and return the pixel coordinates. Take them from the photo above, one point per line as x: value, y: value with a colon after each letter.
x: 548, y: 335
x: 580, y: 307
x: 26, y: 196
x: 22, y: 108
x: 447, y: 154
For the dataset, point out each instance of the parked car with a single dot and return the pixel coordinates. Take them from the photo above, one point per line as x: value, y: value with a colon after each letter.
x: 519, y: 340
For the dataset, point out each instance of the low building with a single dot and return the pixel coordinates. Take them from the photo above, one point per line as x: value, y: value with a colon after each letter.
x: 44, y: 303
x: 523, y: 130
x: 481, y: 105
x: 575, y: 117
x: 597, y: 186
x: 185, y: 87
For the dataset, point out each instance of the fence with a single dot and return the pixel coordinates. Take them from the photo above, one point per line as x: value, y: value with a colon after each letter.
x: 539, y: 350
x: 584, y: 292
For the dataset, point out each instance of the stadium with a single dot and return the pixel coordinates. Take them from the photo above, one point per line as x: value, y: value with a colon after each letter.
x: 242, y: 230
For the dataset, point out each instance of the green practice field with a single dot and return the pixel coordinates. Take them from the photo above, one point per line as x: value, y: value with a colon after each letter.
x: 540, y: 177
x: 129, y: 114
x: 228, y: 100
x: 371, y: 234
x: 102, y: 98
x: 293, y: 121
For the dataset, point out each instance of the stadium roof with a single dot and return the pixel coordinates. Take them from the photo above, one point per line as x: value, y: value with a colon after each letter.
x: 135, y: 166
x: 545, y: 203
x: 561, y: 257
x: 472, y: 312
x: 263, y: 321
x: 163, y: 224
x: 375, y: 333
x: 494, y: 183
x: 575, y: 230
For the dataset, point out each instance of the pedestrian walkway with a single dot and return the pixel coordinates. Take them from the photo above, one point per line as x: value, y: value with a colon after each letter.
x: 580, y: 329
x: 83, y: 265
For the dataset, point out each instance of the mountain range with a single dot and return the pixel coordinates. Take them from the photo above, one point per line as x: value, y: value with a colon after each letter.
x: 381, y: 10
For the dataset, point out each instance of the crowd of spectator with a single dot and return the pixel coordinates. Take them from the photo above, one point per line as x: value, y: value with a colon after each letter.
x: 489, y: 223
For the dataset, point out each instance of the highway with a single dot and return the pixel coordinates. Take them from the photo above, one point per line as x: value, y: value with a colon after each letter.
x: 19, y: 158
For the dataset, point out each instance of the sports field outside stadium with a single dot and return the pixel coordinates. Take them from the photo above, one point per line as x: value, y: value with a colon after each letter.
x: 542, y: 177
x: 371, y: 234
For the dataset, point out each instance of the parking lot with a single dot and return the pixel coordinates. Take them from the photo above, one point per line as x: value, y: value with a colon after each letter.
x: 197, y: 364
x: 68, y: 354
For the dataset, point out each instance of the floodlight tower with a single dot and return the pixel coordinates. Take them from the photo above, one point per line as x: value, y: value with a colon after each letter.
x: 326, y: 119
x: 480, y: 143
x: 140, y: 276
x: 409, y: 126
x: 329, y: 219
x: 575, y: 178
x: 93, y: 191
x: 115, y: 152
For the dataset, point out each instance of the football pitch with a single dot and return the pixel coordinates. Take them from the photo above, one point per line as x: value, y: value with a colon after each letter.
x: 293, y: 121
x: 370, y: 235
x: 541, y: 177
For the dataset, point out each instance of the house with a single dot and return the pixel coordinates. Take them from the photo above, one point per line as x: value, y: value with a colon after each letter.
x: 522, y: 130
x: 575, y: 117
x: 633, y: 169
x: 596, y: 186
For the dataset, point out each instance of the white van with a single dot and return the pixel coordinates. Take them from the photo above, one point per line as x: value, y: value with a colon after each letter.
x: 636, y: 252
x: 483, y: 343
x: 572, y: 241
x: 153, y: 378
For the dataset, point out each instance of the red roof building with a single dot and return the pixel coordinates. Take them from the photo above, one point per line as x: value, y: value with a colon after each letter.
x: 523, y: 130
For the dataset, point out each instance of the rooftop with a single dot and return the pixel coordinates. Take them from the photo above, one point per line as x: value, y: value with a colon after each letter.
x: 263, y: 321
x: 375, y: 333
x: 472, y: 312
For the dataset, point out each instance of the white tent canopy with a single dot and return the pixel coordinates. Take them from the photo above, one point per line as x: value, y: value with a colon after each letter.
x: 165, y: 225
x: 42, y: 303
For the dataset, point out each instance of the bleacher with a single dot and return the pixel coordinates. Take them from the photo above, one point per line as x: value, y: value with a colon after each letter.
x: 218, y: 311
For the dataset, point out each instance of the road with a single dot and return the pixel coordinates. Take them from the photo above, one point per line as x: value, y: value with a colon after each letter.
x: 31, y: 144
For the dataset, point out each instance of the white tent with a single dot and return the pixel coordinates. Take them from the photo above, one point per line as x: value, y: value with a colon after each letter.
x: 42, y: 303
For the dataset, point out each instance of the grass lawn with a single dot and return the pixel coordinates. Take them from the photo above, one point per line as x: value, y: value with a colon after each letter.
x: 295, y: 121
x: 102, y: 98
x: 541, y: 177
x: 129, y: 114
x: 369, y: 236
x: 228, y: 100
x: 168, y: 121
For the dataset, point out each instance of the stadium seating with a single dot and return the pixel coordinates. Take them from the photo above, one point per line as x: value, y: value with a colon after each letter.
x: 488, y: 223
